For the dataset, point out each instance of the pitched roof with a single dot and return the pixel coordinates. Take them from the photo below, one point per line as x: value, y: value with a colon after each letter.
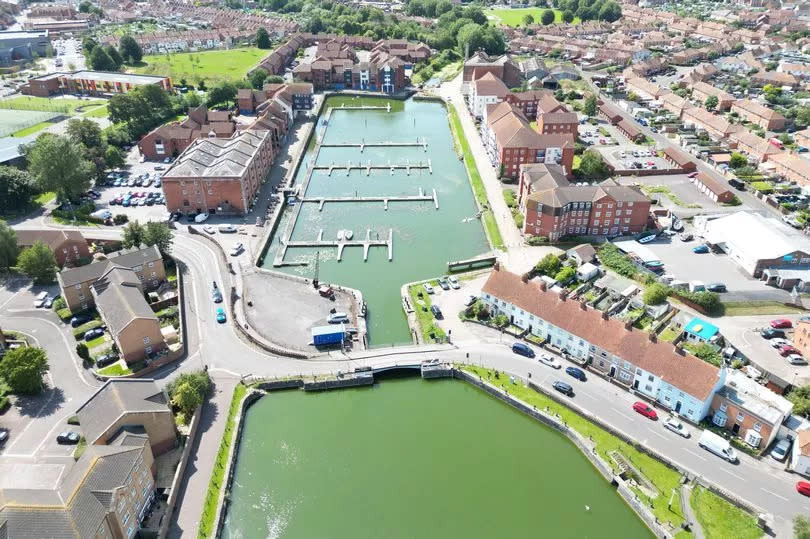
x: 803, y: 440
x: 213, y: 158
x: 681, y: 370
x: 758, y: 109
x: 755, y: 142
x: 119, y: 298
x: 124, y: 258
x: 711, y: 184
x: 52, y: 238
x: 489, y: 84
x: 708, y: 89
x: 114, y: 399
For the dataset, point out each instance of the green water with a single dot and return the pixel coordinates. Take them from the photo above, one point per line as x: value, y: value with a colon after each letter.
x: 411, y: 458
x: 425, y: 239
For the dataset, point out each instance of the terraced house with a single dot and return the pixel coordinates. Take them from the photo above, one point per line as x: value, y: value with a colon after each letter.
x: 635, y: 359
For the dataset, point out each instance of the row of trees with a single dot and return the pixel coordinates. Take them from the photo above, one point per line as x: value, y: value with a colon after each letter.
x: 589, y: 10
x: 152, y: 233
x: 108, y: 58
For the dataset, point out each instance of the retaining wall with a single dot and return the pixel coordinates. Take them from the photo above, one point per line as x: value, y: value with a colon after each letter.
x: 178, y: 474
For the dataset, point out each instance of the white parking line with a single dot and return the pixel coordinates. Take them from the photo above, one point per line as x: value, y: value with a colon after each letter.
x: 589, y: 396
x: 659, y: 434
x: 732, y: 473
x: 774, y: 494
x: 622, y: 414
x: 695, y: 454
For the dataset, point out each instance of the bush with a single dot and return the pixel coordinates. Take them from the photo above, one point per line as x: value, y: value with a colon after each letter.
x: 766, y: 188
x: 4, y: 403
x: 565, y: 274
x: 548, y: 265
x: 73, y: 420
x: 611, y: 257
x: 120, y: 219
x: 82, y: 351
x: 655, y: 294
x: 709, y: 301
x: 537, y: 240
x: 59, y: 303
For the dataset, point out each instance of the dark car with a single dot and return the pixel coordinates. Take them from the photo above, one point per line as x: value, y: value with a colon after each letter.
x: 563, y: 388
x: 436, y: 312
x: 93, y: 333
x: 716, y: 287
x: 772, y: 334
x: 68, y: 437
x: 78, y: 320
x: 444, y: 284
x: 3, y: 436
x: 216, y: 295
x: 579, y: 374
x: 522, y: 349
x: 106, y: 359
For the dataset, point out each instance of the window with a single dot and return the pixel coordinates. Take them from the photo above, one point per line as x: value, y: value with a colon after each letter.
x: 723, y: 406
x: 624, y: 376
x: 78, y: 287
x: 147, y: 340
x: 740, y: 416
x: 648, y: 388
x: 151, y: 264
x: 757, y: 426
x: 125, y: 519
x: 81, y: 297
x: 650, y: 378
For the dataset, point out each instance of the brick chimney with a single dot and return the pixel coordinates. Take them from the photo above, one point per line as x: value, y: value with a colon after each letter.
x: 679, y: 349
x: 653, y: 337
x: 628, y: 325
x: 497, y: 265
x: 542, y: 285
x: 525, y: 277
x: 582, y: 304
x: 564, y: 294
x: 604, y: 315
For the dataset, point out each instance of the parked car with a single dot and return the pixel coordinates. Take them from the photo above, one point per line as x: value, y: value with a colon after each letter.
x: 563, y: 388
x: 700, y: 249
x: 772, y: 334
x: 780, y: 450
x: 106, y: 359
x: 216, y: 295
x: 676, y: 426
x: 470, y: 300
x: 781, y: 323
x: 209, y: 229
x: 227, y: 229
x: 338, y: 318
x: 546, y: 359
x: 3, y: 436
x: 579, y: 374
x: 78, y: 320
x: 428, y: 288
x: 91, y: 334
x: 454, y: 284
x: 68, y: 437
x: 48, y: 303
x: 787, y: 349
x: 237, y: 249
x: 200, y: 217
x: 716, y: 287
x: 444, y: 284
x: 779, y: 342
x: 803, y: 487
x: 645, y: 410
x: 436, y: 311
x: 796, y: 359
x: 685, y: 236
x: 39, y: 301
x: 221, y: 315
x: 523, y: 349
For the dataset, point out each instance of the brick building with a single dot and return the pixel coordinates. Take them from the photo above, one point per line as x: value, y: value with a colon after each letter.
x: 298, y: 94
x: 755, y: 146
x: 712, y: 188
x: 173, y: 138
x: 69, y: 246
x: 557, y: 123
x: 479, y: 64
x: 792, y: 167
x: 702, y: 90
x: 535, y: 102
x: 554, y: 208
x: 91, y: 83
x: 759, y: 114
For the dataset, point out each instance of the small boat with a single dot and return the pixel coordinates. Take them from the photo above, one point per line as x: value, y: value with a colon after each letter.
x: 348, y: 234
x: 340, y: 235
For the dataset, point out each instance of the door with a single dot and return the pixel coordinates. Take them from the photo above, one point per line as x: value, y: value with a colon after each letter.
x: 635, y: 384
x: 612, y: 371
x: 678, y: 407
x: 735, y: 429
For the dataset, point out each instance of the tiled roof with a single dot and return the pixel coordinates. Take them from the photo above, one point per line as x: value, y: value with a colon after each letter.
x: 758, y: 109
x: 213, y: 158
x: 52, y: 238
x: 125, y: 258
x: 119, y: 298
x: 804, y: 442
x: 489, y: 84
x: 681, y: 370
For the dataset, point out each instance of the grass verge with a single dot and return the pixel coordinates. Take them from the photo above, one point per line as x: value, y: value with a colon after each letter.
x: 480, y: 193
x: 424, y: 316
x: 215, y: 484
x: 751, y: 308
x: 337, y: 101
x: 98, y: 112
x: 665, y: 479
x: 721, y: 519
x: 31, y: 130
x: 675, y: 199
x: 115, y: 370
x: 80, y: 448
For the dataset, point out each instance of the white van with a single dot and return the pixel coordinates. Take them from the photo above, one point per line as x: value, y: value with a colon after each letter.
x: 40, y: 300
x: 102, y: 214
x: 717, y: 445
x: 697, y: 286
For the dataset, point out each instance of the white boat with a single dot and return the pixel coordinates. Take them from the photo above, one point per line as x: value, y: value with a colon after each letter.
x: 348, y: 234
x: 340, y: 234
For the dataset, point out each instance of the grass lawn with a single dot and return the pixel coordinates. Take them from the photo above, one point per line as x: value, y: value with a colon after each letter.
x: 209, y: 65
x: 675, y: 199
x: 450, y: 71
x: 720, y: 519
x: 750, y: 308
x: 46, y: 104
x: 31, y: 130
x: 98, y: 112
x: 80, y: 448
x: 337, y: 101
x: 44, y: 198
x: 490, y: 224
x: 98, y: 341
x: 215, y: 484
x: 668, y: 335
x: 115, y: 370
x: 424, y: 315
x: 514, y: 17
x: 664, y: 478
x: 78, y: 221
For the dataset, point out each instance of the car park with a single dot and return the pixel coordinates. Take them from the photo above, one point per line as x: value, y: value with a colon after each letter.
x: 676, y: 426
x: 579, y: 374
x: 546, y: 359
x: 563, y: 388
x: 220, y: 313
x: 781, y: 323
x: 68, y: 437
x: 645, y: 410
x: 522, y: 349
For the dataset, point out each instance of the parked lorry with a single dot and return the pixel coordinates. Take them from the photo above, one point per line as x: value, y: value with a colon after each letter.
x: 328, y: 335
x: 718, y: 445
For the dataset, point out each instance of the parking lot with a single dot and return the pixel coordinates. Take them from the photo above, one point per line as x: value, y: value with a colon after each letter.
x: 680, y: 195
x: 633, y: 157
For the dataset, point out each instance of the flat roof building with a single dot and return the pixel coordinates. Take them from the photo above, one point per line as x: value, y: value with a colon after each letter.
x: 91, y: 83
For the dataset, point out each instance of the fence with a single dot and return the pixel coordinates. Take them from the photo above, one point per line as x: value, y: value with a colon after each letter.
x: 14, y: 120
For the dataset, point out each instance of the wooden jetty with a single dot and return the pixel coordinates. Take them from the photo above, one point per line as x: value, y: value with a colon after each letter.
x: 385, y: 199
x: 385, y: 144
x: 368, y: 167
x: 341, y: 244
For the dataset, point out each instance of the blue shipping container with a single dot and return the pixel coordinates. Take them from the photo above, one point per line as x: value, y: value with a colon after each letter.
x: 326, y: 335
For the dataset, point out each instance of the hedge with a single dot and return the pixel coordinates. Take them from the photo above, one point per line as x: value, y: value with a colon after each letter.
x: 79, y: 332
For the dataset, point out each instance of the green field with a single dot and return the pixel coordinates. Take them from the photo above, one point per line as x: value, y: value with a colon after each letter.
x: 514, y: 17
x: 46, y: 104
x: 31, y: 130
x: 209, y: 65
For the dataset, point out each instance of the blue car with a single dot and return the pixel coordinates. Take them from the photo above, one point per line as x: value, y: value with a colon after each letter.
x: 522, y: 349
x: 700, y: 249
x: 221, y: 315
x: 579, y: 374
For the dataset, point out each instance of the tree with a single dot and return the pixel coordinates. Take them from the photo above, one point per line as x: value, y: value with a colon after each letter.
x: 131, y: 52
x: 222, y: 93
x: 159, y: 234
x: 568, y: 16
x: 82, y: 351
x: 86, y: 132
x: 274, y: 79
x: 100, y: 60
x: 8, y: 246
x: 737, y: 160
x: 23, y: 369
x: 800, y: 397
x: 133, y: 235
x: 88, y: 44
x: 56, y: 163
x: 802, y: 118
x: 548, y: 265
x: 263, y: 38
x: 16, y: 189
x: 188, y: 391
x: 38, y: 263
x: 711, y: 102
x: 84, y: 6
x: 593, y: 166
x: 565, y: 274
x: 547, y: 17
x: 707, y: 353
x: 590, y: 105
x: 115, y: 56
x: 257, y: 78
x: 655, y: 294
x: 632, y: 96
x: 801, y: 527
x: 528, y: 20
x: 114, y: 157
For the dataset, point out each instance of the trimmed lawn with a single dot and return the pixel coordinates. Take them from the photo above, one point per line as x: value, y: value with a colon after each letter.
x: 31, y: 130
x: 209, y: 65
x: 664, y: 478
x: 424, y: 315
x: 98, y: 112
x: 490, y: 224
x: 337, y: 101
x: 98, y: 341
x: 217, y: 476
x: 46, y: 104
x: 720, y: 519
x: 115, y: 370
x: 514, y: 17
x: 750, y: 308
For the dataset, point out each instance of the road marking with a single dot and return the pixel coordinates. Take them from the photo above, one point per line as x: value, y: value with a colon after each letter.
x: 622, y: 414
x: 659, y: 434
x: 774, y: 494
x: 732, y: 473
x: 695, y: 454
x: 589, y: 396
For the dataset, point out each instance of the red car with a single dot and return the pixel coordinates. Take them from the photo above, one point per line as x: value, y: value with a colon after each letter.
x: 781, y: 323
x: 803, y: 487
x: 645, y: 410
x: 787, y: 349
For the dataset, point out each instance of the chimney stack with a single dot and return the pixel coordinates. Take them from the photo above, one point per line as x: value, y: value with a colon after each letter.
x: 563, y: 294
x: 653, y: 337
x: 582, y: 304
x: 542, y: 285
x: 628, y: 325
x: 679, y: 349
x: 604, y: 315
x: 525, y: 277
